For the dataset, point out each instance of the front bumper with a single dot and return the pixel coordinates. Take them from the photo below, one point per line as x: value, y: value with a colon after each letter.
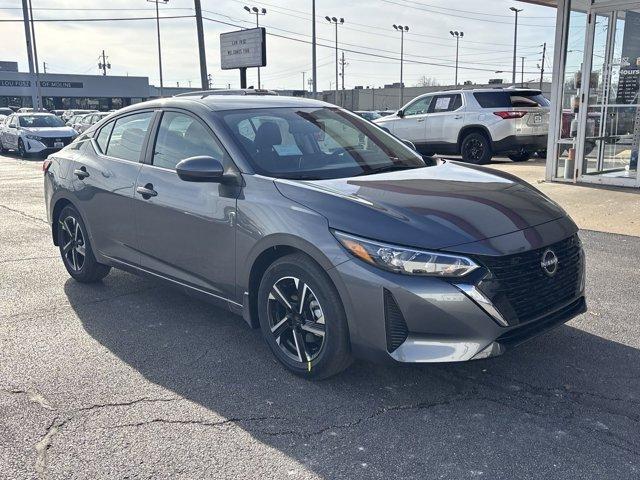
x: 412, y: 319
x: 46, y: 144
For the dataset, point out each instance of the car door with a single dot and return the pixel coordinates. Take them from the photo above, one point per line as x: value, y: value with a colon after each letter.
x: 412, y: 125
x: 445, y: 120
x: 12, y: 133
x: 186, y: 230
x: 104, y: 176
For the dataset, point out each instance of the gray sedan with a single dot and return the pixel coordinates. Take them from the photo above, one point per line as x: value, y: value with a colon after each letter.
x: 333, y: 237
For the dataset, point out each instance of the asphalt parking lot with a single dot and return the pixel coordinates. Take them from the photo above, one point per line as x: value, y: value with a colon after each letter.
x: 130, y: 378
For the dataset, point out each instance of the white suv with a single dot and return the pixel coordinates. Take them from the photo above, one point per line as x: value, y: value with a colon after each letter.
x: 474, y: 123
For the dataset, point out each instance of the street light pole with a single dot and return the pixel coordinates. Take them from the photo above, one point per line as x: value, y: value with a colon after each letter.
x: 35, y: 58
x: 204, y: 76
x: 458, y: 36
x: 27, y: 34
x: 257, y: 12
x: 515, y: 43
x: 401, y: 29
x: 336, y: 22
x: 157, y: 2
x: 314, y: 60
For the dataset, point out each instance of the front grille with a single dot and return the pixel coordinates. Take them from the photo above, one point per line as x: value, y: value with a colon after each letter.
x: 518, y: 286
x: 395, y: 325
x: 50, y: 142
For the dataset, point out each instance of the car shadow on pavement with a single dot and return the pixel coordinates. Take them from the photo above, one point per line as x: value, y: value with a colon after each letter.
x: 561, y: 406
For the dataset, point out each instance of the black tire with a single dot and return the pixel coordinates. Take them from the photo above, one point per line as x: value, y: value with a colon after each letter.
x: 520, y: 156
x: 2, y: 149
x: 320, y: 356
x: 475, y: 148
x: 22, y: 151
x: 73, y: 240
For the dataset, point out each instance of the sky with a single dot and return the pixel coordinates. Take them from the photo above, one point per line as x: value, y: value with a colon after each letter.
x: 372, y: 46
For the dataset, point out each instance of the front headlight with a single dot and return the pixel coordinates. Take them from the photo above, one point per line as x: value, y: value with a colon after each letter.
x: 404, y: 260
x: 34, y: 137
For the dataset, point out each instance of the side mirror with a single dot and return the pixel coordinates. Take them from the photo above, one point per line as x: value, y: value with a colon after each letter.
x: 200, y: 169
x: 400, y: 113
x: 410, y: 144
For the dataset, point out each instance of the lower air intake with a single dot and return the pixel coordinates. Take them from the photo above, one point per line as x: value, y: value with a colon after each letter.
x: 395, y: 325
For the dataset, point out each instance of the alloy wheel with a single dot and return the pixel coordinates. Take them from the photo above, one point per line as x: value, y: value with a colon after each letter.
x: 73, y: 244
x: 474, y: 149
x: 296, y: 319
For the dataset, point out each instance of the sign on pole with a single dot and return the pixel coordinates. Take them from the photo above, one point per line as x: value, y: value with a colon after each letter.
x: 243, y: 49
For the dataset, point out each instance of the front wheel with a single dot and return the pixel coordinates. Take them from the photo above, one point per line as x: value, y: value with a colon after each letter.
x: 22, y: 151
x: 302, y: 318
x: 75, y: 248
x: 476, y: 149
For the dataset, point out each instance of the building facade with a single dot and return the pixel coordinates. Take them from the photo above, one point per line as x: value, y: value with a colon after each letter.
x: 594, y: 134
x: 72, y: 91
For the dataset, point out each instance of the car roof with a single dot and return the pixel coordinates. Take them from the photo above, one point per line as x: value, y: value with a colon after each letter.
x: 231, y: 102
x: 33, y: 114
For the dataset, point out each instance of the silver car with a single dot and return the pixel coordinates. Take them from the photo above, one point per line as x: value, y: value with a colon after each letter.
x: 476, y: 124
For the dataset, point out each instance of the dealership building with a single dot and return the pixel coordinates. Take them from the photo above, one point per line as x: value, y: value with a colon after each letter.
x: 594, y: 131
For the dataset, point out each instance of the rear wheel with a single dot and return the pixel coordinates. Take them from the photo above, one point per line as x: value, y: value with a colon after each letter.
x: 520, y: 156
x: 302, y: 318
x: 476, y: 149
x: 75, y: 248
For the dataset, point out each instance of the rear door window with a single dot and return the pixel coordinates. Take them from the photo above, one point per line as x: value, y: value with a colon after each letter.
x: 128, y: 135
x: 445, y: 103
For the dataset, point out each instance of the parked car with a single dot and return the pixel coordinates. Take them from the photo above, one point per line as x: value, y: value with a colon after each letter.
x: 87, y: 121
x: 476, y: 124
x: 66, y: 116
x: 35, y: 133
x: 58, y: 113
x: 328, y: 233
x: 369, y: 115
x: 6, y: 111
x: 75, y: 120
x: 25, y: 110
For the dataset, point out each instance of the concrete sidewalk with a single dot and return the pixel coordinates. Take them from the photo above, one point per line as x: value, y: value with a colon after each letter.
x: 602, y: 209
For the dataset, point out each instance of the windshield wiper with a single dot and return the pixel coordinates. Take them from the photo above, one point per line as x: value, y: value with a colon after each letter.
x: 388, y: 168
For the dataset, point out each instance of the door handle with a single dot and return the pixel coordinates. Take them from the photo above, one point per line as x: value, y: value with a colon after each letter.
x: 420, y: 120
x: 458, y: 117
x: 81, y: 173
x: 147, y: 191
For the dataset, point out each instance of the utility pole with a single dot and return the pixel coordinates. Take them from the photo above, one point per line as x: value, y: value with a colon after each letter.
x: 38, y: 106
x: 27, y: 34
x: 515, y: 42
x: 157, y: 2
x: 522, y: 72
x: 336, y: 22
x: 544, y: 54
x: 458, y: 36
x: 201, y: 52
x: 44, y: 67
x: 304, y: 85
x: 343, y: 63
x: 257, y: 12
x: 104, y: 65
x: 314, y: 60
x: 209, y: 84
x: 402, y: 29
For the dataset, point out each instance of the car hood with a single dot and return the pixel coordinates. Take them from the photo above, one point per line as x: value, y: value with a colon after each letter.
x: 435, y: 207
x: 50, y: 131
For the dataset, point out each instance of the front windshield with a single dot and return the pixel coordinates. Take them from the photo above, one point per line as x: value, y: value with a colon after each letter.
x: 316, y: 143
x: 30, y: 121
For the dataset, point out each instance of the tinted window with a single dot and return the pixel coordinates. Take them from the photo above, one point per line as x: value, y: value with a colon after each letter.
x: 181, y: 136
x: 103, y: 137
x: 418, y: 107
x: 29, y: 121
x: 445, y: 103
x: 517, y: 98
x: 316, y: 143
x: 128, y: 136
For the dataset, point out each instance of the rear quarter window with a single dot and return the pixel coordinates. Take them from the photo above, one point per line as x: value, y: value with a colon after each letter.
x: 502, y: 99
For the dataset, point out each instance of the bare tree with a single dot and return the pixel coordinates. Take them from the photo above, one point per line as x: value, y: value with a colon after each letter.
x: 425, y: 81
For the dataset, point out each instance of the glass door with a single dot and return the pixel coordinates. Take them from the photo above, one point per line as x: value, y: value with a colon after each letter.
x: 610, y: 110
